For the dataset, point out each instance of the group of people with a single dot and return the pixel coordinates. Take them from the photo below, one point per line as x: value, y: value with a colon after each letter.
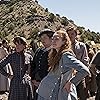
x: 59, y: 70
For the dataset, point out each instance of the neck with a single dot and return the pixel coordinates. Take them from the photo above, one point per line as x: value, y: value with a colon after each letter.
x: 21, y: 52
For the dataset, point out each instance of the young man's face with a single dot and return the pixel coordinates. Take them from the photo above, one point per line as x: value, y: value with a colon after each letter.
x: 72, y: 35
x: 46, y: 41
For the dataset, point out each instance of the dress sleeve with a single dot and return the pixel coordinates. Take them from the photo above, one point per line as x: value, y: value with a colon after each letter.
x: 69, y: 62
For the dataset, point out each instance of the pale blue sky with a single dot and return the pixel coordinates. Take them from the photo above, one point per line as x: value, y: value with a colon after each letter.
x: 84, y: 13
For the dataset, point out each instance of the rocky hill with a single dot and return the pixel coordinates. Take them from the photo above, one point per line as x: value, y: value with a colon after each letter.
x: 26, y: 18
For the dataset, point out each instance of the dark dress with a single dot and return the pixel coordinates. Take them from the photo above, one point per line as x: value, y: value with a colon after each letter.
x: 19, y: 90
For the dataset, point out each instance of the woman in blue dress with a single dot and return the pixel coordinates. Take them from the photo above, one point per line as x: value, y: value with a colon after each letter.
x: 20, y: 87
x: 61, y: 81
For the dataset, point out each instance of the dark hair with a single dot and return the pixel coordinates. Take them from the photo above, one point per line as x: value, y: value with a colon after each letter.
x: 71, y: 29
x: 19, y: 40
x: 46, y: 31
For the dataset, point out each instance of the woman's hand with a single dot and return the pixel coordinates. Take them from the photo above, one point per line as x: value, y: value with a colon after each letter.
x: 67, y: 86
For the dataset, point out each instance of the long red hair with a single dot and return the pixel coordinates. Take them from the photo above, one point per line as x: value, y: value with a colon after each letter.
x: 54, y: 56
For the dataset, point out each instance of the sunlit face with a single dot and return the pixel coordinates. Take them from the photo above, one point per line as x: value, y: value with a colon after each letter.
x: 19, y: 47
x: 72, y: 35
x: 57, y: 41
x: 46, y: 41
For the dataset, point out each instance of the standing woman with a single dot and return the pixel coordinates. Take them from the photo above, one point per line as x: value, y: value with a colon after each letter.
x: 60, y: 83
x: 19, y: 61
x: 4, y: 83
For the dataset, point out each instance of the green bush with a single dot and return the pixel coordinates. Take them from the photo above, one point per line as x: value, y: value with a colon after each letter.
x: 51, y: 17
x: 33, y: 10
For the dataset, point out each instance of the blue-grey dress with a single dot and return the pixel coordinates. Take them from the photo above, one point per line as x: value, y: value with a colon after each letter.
x: 51, y: 87
x: 19, y: 90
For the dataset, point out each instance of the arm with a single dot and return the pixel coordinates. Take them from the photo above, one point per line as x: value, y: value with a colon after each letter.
x: 3, y: 63
x: 70, y: 62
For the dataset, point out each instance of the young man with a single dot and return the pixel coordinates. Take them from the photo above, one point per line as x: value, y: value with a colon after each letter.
x: 80, y: 51
x: 39, y: 66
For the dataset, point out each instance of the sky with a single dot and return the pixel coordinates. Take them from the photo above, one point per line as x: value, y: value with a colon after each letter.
x: 84, y: 13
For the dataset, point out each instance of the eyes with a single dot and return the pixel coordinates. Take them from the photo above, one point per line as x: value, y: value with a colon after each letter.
x: 56, y: 38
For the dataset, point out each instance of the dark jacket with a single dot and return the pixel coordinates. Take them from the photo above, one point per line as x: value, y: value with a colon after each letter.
x: 39, y: 65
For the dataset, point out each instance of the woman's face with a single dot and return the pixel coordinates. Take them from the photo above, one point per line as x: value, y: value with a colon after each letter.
x: 19, y: 47
x: 57, y: 41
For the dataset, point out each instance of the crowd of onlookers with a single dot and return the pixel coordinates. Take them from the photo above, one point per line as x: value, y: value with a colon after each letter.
x: 37, y: 72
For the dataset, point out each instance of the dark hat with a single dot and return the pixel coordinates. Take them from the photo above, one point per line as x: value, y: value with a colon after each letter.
x: 49, y: 32
x: 19, y: 40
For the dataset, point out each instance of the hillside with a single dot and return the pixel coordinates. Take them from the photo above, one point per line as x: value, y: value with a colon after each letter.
x: 26, y: 18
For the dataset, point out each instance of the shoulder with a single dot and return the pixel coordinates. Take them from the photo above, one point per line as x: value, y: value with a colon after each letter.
x: 39, y: 49
x: 67, y: 55
x: 81, y: 44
